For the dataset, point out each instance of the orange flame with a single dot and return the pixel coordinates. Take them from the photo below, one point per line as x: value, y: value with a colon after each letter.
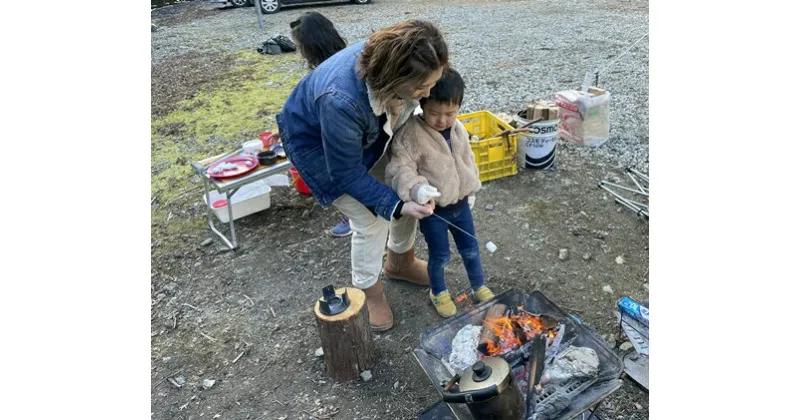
x: 460, y: 298
x: 507, y: 339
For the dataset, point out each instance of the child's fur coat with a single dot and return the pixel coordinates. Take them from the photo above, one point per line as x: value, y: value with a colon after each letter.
x: 420, y: 156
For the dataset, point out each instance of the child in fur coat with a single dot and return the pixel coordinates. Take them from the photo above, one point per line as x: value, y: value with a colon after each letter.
x: 432, y: 159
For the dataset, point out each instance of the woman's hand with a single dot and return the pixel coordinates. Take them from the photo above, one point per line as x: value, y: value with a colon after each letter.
x: 417, y: 211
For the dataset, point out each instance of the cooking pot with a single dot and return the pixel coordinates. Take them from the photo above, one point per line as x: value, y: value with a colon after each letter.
x: 490, y: 391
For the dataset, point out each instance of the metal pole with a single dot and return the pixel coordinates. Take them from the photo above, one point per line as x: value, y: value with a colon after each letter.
x: 636, y: 182
x: 627, y: 200
x: 229, y: 195
x: 624, y: 188
x: 258, y: 14
x: 638, y: 211
x: 639, y: 174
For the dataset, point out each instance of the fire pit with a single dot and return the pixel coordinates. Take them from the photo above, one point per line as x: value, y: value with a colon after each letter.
x: 506, y: 335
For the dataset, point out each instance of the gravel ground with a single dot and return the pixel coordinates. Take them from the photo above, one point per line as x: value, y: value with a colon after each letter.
x: 487, y: 38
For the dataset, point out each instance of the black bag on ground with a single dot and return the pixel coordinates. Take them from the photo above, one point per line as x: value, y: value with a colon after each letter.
x: 285, y: 43
x: 270, y: 47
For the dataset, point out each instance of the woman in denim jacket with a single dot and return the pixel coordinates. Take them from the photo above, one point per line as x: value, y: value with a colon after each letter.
x: 336, y: 128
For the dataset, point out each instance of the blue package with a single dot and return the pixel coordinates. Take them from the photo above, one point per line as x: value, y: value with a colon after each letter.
x: 633, y: 309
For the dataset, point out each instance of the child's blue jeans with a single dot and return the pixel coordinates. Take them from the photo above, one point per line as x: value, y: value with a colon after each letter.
x: 435, y: 232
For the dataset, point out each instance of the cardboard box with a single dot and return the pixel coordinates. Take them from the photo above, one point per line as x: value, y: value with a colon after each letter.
x: 595, y: 91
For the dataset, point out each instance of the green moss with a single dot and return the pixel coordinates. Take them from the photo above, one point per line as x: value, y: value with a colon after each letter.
x: 241, y: 104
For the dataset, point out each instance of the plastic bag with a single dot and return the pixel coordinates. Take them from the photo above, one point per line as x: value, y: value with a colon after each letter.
x: 584, y: 117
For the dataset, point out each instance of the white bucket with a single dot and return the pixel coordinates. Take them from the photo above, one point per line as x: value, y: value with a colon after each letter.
x: 537, y: 149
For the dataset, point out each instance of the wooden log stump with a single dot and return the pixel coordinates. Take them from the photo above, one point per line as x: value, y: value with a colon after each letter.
x: 347, y: 338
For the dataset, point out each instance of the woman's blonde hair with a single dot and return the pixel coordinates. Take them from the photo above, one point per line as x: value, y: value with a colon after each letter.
x: 402, y: 54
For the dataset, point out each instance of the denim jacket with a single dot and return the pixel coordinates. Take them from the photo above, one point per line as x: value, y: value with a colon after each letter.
x: 332, y: 133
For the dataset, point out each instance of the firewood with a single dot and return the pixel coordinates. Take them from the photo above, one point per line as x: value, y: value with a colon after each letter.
x: 487, y: 335
x: 540, y: 111
x: 346, y: 338
x: 520, y: 129
x: 553, y: 114
x: 595, y: 91
x: 519, y: 333
x: 529, y: 115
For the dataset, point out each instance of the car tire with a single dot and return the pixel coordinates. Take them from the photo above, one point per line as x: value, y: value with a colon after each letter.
x: 241, y: 3
x: 270, y: 6
x: 361, y: 1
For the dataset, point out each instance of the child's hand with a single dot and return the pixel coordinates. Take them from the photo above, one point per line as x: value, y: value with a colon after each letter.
x: 423, y: 193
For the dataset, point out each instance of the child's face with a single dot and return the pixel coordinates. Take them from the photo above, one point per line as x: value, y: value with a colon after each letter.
x: 440, y: 116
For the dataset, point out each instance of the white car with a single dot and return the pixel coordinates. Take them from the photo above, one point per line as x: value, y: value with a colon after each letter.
x: 273, y: 6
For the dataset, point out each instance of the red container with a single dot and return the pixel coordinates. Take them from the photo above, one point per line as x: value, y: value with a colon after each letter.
x: 267, y: 139
x: 301, y: 186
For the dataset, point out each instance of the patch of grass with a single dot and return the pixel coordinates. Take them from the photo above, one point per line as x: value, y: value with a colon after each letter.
x: 237, y: 106
x: 176, y: 79
x: 241, y: 106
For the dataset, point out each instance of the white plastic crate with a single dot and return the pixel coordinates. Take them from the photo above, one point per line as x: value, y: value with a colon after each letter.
x: 251, y: 198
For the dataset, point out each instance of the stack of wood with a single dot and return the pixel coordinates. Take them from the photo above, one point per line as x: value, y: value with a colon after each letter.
x: 595, y: 91
x: 546, y: 110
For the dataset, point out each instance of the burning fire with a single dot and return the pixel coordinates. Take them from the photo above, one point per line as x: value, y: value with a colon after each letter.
x: 460, y: 298
x: 515, y: 330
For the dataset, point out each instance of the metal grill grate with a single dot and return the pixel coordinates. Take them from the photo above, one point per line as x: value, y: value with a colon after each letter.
x: 567, y: 389
x: 435, y: 346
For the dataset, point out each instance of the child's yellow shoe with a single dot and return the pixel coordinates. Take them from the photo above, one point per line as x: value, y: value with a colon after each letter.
x: 443, y: 304
x: 483, y: 294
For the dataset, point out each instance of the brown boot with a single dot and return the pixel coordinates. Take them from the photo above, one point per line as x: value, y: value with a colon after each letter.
x: 406, y: 267
x: 380, y: 314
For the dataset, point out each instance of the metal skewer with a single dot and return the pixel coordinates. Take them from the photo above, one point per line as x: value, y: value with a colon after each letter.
x: 489, y: 245
x: 446, y: 221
